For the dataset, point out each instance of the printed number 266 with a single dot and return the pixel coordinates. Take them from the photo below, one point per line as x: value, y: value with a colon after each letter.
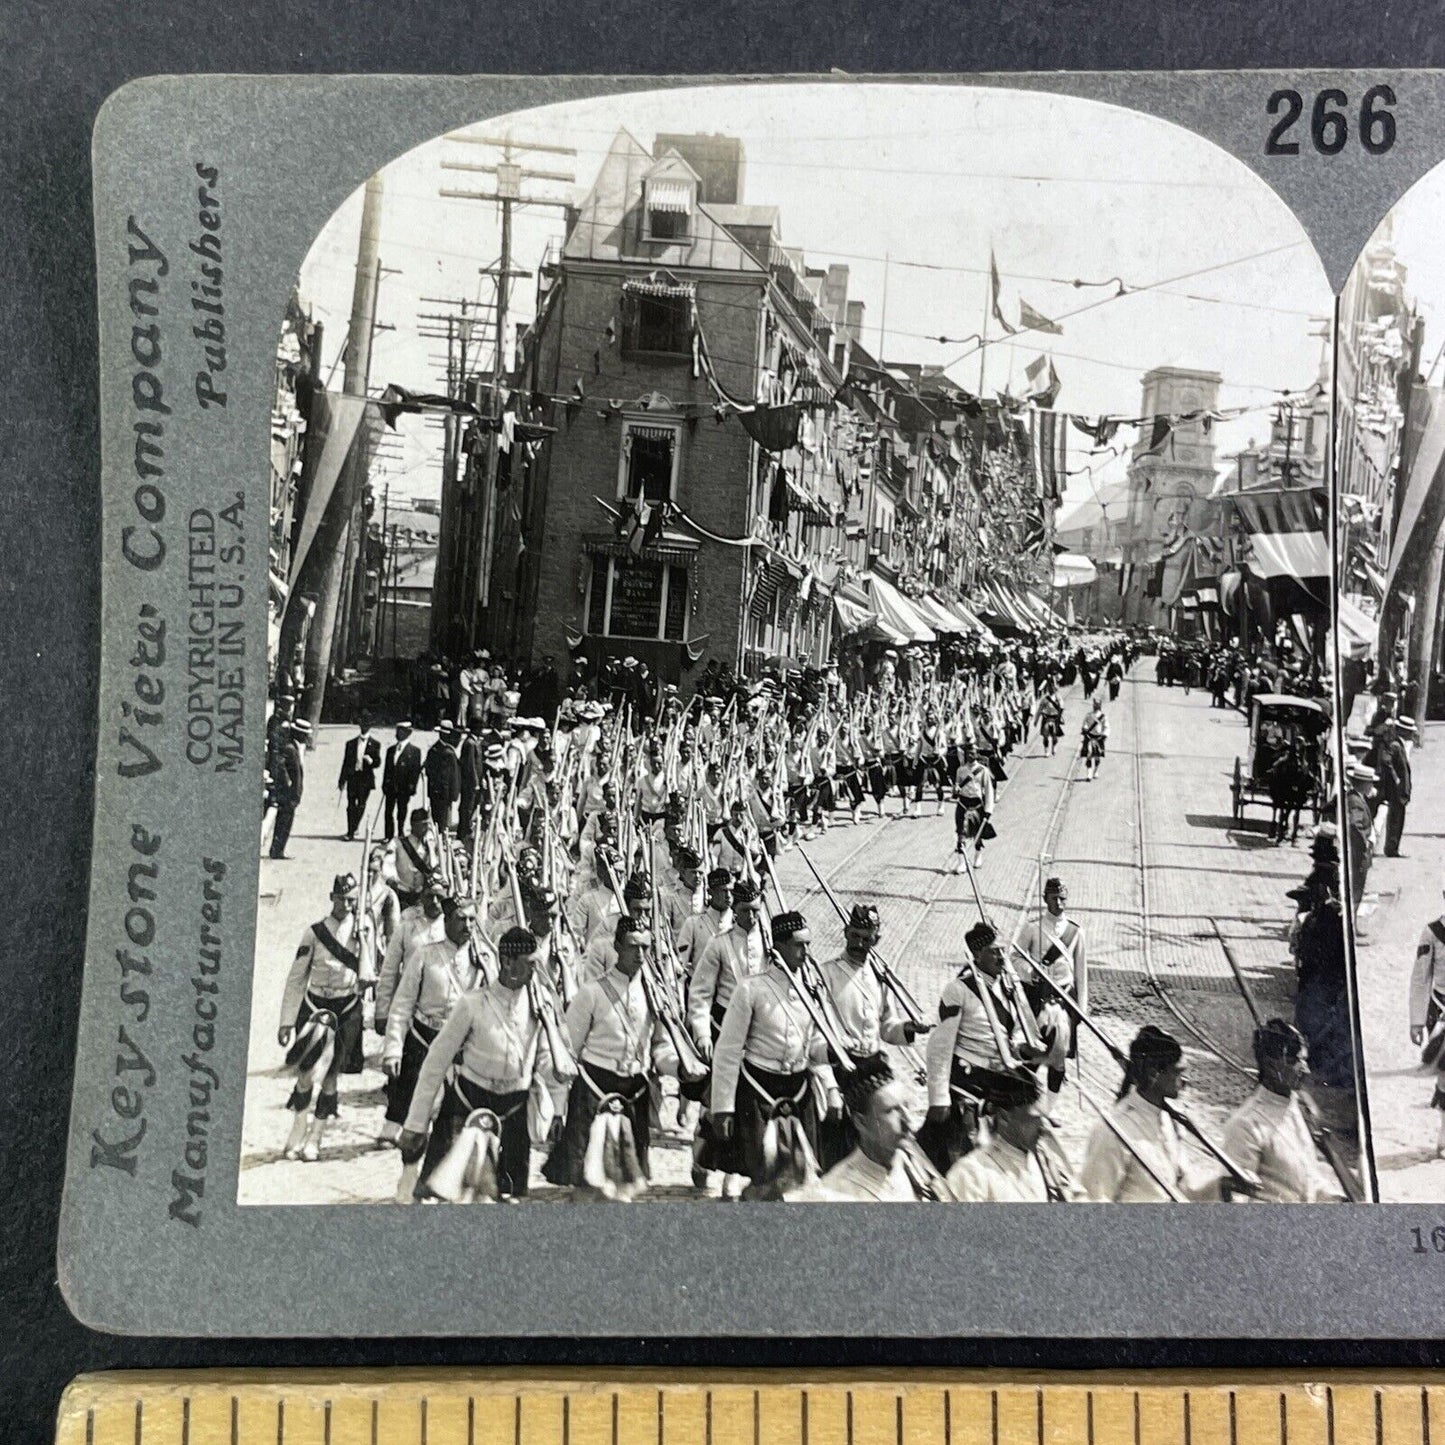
x: 1330, y: 121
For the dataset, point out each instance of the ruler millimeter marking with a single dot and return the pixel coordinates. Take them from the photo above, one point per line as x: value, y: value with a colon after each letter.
x: 415, y: 1407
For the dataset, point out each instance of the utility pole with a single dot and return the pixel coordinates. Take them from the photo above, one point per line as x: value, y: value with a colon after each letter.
x: 474, y: 603
x: 460, y: 324
x: 331, y: 541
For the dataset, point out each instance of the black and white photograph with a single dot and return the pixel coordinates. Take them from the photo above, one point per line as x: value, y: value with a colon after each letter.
x: 801, y: 668
x: 1390, y: 446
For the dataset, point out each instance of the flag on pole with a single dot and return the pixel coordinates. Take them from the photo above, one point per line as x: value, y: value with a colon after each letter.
x: 994, y: 289
x: 1031, y: 320
x: 1043, y: 380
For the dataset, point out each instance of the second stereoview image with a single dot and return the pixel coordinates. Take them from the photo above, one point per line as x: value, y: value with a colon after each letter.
x: 801, y: 667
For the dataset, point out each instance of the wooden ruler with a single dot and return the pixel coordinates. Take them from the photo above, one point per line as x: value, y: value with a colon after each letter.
x: 415, y: 1407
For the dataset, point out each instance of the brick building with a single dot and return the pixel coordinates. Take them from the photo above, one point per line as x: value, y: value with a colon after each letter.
x: 689, y: 361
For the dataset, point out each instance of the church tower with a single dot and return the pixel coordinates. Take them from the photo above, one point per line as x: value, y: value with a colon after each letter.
x: 1170, y: 474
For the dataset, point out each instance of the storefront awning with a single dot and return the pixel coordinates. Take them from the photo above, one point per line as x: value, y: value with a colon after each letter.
x: 1358, y: 630
x: 897, y: 612
x: 1072, y: 570
x: 936, y: 614
x: 854, y: 618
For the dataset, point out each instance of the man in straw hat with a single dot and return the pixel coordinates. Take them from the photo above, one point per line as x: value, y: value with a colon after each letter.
x: 326, y: 977
x: 444, y: 776
x: 400, y: 773
x: 504, y: 1064
x: 288, y: 776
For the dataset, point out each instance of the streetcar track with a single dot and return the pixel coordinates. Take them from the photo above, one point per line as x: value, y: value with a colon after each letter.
x: 941, y: 882
x: 1200, y: 1032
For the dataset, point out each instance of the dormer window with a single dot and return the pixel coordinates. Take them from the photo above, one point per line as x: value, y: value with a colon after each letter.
x: 667, y: 209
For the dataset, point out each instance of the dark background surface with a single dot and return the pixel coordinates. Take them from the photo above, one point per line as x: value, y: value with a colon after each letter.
x: 60, y: 61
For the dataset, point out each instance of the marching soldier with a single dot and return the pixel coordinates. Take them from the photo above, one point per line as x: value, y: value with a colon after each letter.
x: 617, y: 1041
x: 601, y: 953
x: 432, y: 980
x: 700, y: 930
x: 1022, y: 1162
x: 886, y: 1167
x: 381, y: 903
x: 738, y: 952
x: 1268, y: 1134
x: 416, y: 859
x: 504, y: 1063
x: 683, y: 900
x: 420, y: 924
x: 1055, y: 945
x: 1135, y: 1154
x: 1051, y: 718
x: 867, y: 1012
x: 768, y: 1053
x: 1095, y: 738
x: 596, y: 911
x: 1427, y: 1007
x: 980, y: 1044
x: 325, y: 984
x: 973, y: 793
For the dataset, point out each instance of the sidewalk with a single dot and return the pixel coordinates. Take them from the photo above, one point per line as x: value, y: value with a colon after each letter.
x: 1402, y: 895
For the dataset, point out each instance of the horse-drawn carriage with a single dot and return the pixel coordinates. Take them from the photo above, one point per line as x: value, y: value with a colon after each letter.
x: 1286, y: 766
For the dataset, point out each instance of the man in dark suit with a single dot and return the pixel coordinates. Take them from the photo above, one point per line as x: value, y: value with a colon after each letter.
x: 359, y: 763
x: 444, y: 777
x: 399, y: 779
x: 287, y: 779
x: 469, y: 760
x: 1392, y: 762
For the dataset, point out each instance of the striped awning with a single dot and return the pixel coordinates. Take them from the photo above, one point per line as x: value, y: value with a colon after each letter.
x: 665, y: 195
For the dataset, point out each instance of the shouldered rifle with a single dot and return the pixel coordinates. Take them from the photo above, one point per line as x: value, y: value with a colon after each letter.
x: 689, y: 1061
x: 905, y: 996
x: 365, y: 924
x: 1324, y: 1139
x: 1242, y: 1178
x: 1028, y: 1024
x: 564, y: 1062
x: 1171, y: 1190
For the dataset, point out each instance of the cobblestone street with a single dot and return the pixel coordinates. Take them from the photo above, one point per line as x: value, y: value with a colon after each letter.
x: 1402, y: 895
x: 1158, y: 877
